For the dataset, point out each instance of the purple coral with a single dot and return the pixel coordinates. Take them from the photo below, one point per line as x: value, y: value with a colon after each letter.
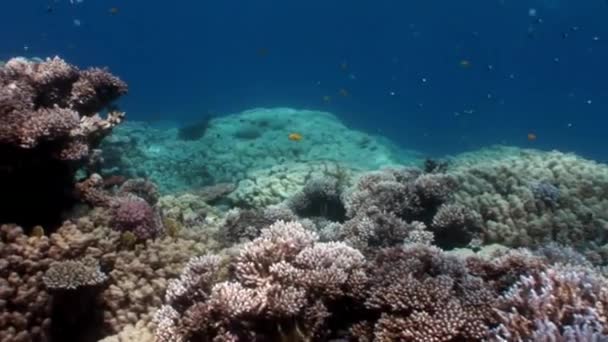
x: 545, y: 192
x: 562, y: 303
x: 135, y: 215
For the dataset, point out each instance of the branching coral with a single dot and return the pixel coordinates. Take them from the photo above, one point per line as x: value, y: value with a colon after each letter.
x: 389, y: 206
x: 282, y: 283
x: 562, y: 303
x: 49, y: 124
x: 422, y: 294
x: 53, y: 101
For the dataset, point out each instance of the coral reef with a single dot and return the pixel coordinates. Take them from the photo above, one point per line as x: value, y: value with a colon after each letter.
x: 423, y: 295
x: 385, y: 207
x: 233, y: 146
x: 133, y: 214
x: 528, y: 197
x: 287, y: 286
x: 49, y: 121
x: 73, y: 274
x: 282, y: 285
x: 265, y: 187
x: 320, y: 197
x: 562, y: 303
x: 268, y: 238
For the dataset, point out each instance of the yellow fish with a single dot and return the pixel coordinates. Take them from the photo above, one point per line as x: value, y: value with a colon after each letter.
x: 295, y: 136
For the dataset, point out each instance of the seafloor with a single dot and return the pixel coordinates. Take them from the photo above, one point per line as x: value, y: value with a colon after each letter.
x: 280, y: 225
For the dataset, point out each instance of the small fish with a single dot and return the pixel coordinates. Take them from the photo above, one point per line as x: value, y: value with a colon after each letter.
x: 343, y: 92
x: 295, y: 136
x: 344, y: 66
x: 465, y: 63
x: 326, y: 99
x: 531, y: 137
x: 113, y: 11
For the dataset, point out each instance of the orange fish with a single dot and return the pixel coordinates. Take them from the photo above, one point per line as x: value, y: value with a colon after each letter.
x: 465, y: 63
x: 531, y: 137
x: 295, y: 136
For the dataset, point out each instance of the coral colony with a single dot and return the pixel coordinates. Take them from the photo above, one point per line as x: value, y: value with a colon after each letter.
x: 123, y: 232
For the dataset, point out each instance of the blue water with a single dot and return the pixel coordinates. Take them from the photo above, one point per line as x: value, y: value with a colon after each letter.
x: 400, y: 61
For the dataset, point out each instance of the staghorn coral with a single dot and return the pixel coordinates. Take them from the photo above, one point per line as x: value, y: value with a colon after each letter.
x: 49, y: 121
x: 282, y: 284
x: 562, y: 303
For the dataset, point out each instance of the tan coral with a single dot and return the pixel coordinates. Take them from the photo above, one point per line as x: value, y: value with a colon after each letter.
x: 499, y: 189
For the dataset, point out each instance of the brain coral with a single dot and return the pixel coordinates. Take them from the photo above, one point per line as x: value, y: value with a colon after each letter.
x: 504, y: 190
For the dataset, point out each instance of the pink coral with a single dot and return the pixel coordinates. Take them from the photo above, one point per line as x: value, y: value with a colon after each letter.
x: 133, y: 214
